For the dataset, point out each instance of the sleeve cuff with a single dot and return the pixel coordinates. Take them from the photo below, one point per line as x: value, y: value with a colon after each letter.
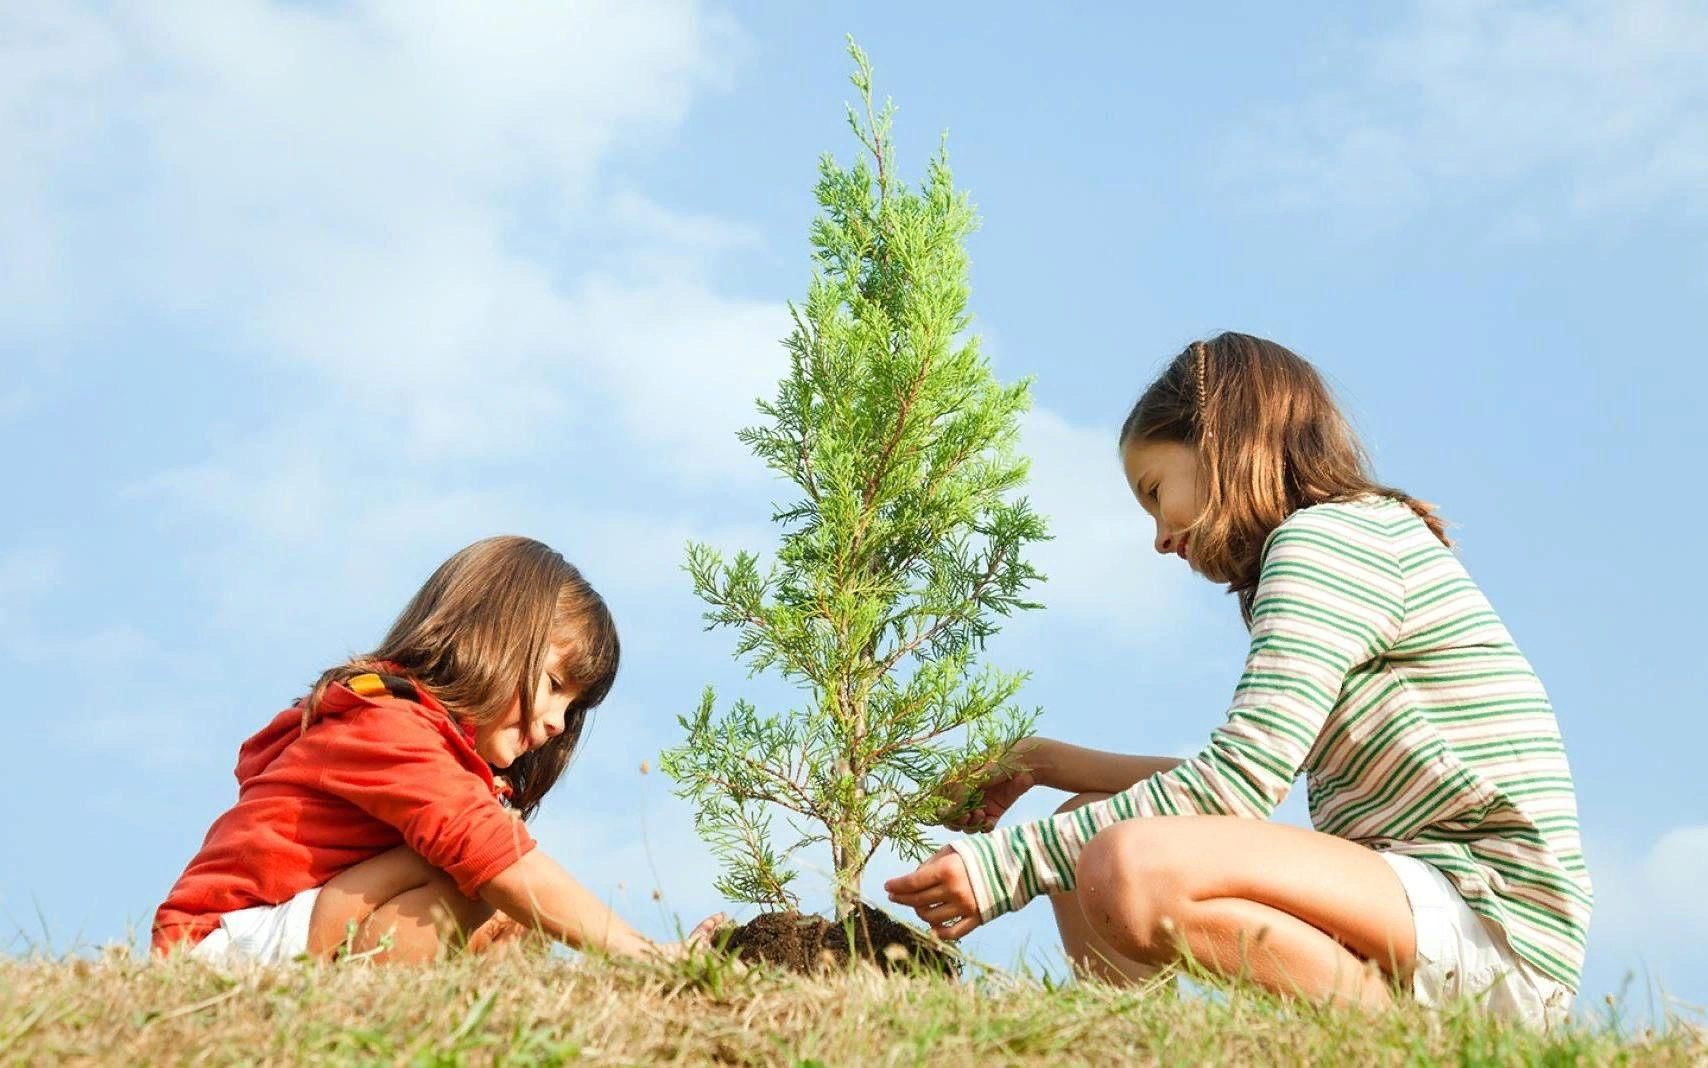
x: 481, y: 868
x: 984, y: 876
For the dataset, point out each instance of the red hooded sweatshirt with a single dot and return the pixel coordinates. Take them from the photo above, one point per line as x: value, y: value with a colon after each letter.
x: 370, y: 773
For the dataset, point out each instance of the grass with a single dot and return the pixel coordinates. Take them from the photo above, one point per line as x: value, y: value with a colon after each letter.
x: 534, y: 1010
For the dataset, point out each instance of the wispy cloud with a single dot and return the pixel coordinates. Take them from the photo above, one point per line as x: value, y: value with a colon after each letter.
x: 1103, y: 571
x: 1650, y: 911
x: 385, y: 195
x: 408, y: 214
x: 1676, y: 870
x: 1560, y: 111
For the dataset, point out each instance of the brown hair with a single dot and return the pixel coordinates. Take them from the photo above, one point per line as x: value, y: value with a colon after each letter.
x: 1270, y: 441
x: 477, y: 635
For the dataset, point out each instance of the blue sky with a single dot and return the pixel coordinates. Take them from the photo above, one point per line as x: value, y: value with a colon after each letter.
x: 296, y: 299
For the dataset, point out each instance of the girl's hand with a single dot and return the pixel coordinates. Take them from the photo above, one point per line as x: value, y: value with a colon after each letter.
x: 998, y: 788
x: 699, y: 940
x: 940, y: 893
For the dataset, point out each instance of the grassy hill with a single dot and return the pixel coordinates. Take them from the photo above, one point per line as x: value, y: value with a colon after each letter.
x: 533, y: 1010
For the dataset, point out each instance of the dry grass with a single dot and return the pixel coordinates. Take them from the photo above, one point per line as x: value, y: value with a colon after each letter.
x: 531, y: 1010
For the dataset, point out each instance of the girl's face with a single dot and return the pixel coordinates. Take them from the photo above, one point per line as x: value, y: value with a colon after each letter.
x: 501, y: 741
x: 1166, y: 478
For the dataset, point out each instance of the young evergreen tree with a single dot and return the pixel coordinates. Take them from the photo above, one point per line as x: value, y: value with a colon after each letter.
x: 903, y: 546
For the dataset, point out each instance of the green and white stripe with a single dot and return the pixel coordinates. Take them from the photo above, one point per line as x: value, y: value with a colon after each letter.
x: 1379, y: 671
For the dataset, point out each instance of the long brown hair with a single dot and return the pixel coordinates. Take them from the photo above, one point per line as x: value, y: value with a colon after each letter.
x: 1270, y: 441
x: 477, y: 635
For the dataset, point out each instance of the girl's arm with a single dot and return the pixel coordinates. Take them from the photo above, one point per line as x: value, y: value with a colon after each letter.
x: 1331, y: 596
x: 1046, y: 762
x: 537, y: 892
x: 1079, y: 770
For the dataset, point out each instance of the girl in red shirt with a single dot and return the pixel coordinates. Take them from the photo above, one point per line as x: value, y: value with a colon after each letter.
x: 370, y: 815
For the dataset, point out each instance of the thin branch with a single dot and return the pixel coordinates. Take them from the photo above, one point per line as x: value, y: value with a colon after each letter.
x: 944, y: 620
x: 756, y: 794
x: 918, y: 739
x: 877, y: 144
x: 790, y: 787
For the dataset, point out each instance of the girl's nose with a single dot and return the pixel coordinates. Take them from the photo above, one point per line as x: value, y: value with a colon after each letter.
x: 1164, y: 542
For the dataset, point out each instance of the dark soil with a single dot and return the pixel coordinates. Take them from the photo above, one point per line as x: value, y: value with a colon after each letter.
x: 802, y: 943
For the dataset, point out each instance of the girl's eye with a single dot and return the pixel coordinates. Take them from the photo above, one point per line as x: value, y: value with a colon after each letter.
x: 557, y: 684
x: 1154, y: 490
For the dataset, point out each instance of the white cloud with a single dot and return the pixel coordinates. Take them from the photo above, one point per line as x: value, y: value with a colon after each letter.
x: 397, y: 199
x: 685, y: 368
x: 1102, y: 568
x: 47, y: 52
x: 644, y: 218
x: 1650, y: 913
x: 407, y: 214
x: 1580, y: 108
x: 1676, y: 871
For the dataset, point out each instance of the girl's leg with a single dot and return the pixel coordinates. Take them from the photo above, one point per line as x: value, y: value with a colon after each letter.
x: 397, y: 894
x: 1299, y: 912
x: 1087, y: 953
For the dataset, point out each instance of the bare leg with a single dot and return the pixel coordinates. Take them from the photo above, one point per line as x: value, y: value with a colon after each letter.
x: 1299, y: 912
x: 396, y: 895
x: 1087, y: 952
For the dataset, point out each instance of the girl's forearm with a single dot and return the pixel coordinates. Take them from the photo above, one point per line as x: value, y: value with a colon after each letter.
x: 537, y: 892
x: 1079, y: 770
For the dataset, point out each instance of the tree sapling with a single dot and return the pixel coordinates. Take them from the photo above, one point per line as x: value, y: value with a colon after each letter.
x: 902, y: 546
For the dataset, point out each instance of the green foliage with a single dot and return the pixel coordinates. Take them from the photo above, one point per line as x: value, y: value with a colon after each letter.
x: 900, y: 551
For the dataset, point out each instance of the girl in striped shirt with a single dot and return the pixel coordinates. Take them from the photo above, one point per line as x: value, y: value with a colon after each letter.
x: 1445, y: 859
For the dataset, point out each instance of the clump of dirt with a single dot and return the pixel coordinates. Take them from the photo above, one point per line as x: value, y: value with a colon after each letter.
x: 803, y: 943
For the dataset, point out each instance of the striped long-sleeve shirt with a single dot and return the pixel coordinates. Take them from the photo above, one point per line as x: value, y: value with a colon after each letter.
x: 1378, y: 670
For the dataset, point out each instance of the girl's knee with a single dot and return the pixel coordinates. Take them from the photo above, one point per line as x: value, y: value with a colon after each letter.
x: 423, y: 924
x: 393, y: 884
x: 1132, y: 891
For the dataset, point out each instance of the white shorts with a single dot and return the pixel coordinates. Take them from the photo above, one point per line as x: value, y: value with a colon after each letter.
x: 1462, y: 955
x: 265, y: 934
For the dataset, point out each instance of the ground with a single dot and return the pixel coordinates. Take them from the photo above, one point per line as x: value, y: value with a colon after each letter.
x: 531, y: 1009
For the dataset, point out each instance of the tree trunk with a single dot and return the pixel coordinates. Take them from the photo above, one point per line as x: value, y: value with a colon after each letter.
x: 846, y: 859
x: 848, y: 872
x: 849, y: 833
